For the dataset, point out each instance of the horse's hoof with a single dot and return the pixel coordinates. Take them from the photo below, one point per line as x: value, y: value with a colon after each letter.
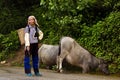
x: 58, y: 71
x: 61, y: 71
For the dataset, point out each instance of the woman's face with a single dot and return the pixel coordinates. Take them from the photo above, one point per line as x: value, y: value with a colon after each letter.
x: 31, y: 21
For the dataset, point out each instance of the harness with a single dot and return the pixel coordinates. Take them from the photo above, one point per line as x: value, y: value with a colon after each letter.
x: 36, y: 34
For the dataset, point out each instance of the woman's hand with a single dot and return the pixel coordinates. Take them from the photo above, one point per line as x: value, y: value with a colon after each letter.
x: 28, y: 48
x: 40, y: 35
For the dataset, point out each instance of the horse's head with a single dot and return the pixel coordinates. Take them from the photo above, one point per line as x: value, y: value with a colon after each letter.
x: 103, y: 66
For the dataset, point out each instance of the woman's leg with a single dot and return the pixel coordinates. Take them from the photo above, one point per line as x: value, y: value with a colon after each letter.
x: 35, y: 63
x: 35, y: 60
x: 27, y: 66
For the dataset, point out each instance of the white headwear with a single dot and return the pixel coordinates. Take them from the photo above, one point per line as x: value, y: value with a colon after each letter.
x: 34, y: 19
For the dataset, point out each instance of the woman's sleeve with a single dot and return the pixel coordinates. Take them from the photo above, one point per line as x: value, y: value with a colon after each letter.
x: 40, y: 34
x: 27, y: 42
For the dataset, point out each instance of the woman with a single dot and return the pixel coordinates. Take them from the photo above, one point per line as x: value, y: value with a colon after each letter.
x: 32, y: 35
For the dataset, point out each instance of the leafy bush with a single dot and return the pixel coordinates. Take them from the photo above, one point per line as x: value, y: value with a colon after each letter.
x: 9, y: 43
x: 95, y: 24
x: 102, y: 39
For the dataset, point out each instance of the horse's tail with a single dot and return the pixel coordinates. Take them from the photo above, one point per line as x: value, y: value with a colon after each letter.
x: 59, y: 48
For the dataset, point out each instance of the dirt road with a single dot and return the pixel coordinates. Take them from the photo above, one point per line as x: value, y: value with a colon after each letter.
x: 17, y: 73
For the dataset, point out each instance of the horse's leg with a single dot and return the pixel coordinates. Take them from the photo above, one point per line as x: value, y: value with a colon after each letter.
x: 61, y: 58
x: 85, y: 68
x: 57, y: 62
x: 60, y: 64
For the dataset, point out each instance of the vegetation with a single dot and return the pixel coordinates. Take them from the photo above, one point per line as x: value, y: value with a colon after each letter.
x: 95, y: 24
x: 8, y: 44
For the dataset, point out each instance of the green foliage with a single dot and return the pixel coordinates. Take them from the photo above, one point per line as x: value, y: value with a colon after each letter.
x: 10, y: 20
x: 52, y: 38
x: 9, y: 43
x: 102, y: 39
x: 1, y: 38
x: 94, y: 24
x: 13, y: 16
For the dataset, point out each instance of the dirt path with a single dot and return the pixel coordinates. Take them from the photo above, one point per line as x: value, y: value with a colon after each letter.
x: 17, y: 73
